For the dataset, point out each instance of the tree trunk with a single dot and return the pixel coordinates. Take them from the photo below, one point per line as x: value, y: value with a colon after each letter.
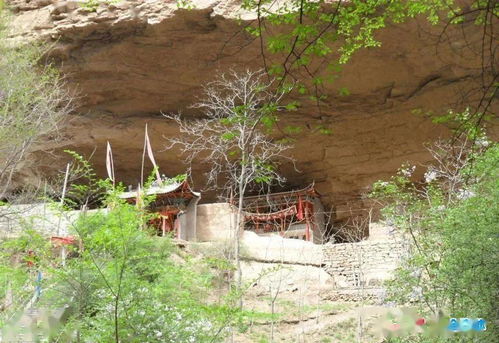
x: 238, y: 229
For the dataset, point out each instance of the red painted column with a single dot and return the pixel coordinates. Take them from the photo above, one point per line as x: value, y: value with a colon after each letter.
x: 307, y: 225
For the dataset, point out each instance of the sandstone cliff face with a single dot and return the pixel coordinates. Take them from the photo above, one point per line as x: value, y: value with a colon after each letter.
x: 134, y: 59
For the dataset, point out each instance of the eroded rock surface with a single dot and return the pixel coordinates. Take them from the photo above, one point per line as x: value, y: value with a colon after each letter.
x: 132, y: 60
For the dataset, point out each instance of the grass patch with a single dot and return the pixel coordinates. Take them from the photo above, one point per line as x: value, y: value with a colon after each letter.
x: 292, y: 308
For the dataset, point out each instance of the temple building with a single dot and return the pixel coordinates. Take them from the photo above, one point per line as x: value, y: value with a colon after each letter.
x: 176, y: 206
x: 294, y: 214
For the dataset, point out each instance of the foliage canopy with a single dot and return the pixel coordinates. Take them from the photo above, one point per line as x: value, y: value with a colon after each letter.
x: 452, y: 220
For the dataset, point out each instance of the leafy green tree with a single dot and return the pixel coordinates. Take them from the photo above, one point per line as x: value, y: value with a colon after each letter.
x: 137, y: 293
x: 452, y: 220
x: 120, y: 283
x: 305, y: 43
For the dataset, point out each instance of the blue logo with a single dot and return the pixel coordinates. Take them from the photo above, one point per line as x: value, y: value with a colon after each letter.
x: 465, y: 324
x: 453, y: 325
x: 479, y: 324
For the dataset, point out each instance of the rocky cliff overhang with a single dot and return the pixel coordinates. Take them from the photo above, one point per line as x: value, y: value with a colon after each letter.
x: 132, y: 60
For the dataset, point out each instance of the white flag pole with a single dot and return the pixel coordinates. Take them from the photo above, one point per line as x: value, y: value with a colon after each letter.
x: 143, y: 160
x: 147, y: 146
x: 110, y: 163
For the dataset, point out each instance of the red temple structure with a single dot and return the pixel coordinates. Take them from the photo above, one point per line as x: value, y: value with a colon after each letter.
x: 294, y: 214
x: 176, y: 206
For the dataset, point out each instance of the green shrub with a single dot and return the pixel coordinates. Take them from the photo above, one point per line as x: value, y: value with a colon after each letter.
x: 453, y: 266
x: 121, y: 283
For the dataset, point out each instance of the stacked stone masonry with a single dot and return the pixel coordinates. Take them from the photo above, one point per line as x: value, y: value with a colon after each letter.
x: 365, y: 264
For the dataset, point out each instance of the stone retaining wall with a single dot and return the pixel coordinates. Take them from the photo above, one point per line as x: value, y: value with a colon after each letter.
x: 353, y: 266
x: 363, y: 264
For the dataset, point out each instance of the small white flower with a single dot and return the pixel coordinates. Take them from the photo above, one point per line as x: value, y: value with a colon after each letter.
x: 482, y: 142
x: 465, y: 194
x: 430, y: 176
x: 407, y: 172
